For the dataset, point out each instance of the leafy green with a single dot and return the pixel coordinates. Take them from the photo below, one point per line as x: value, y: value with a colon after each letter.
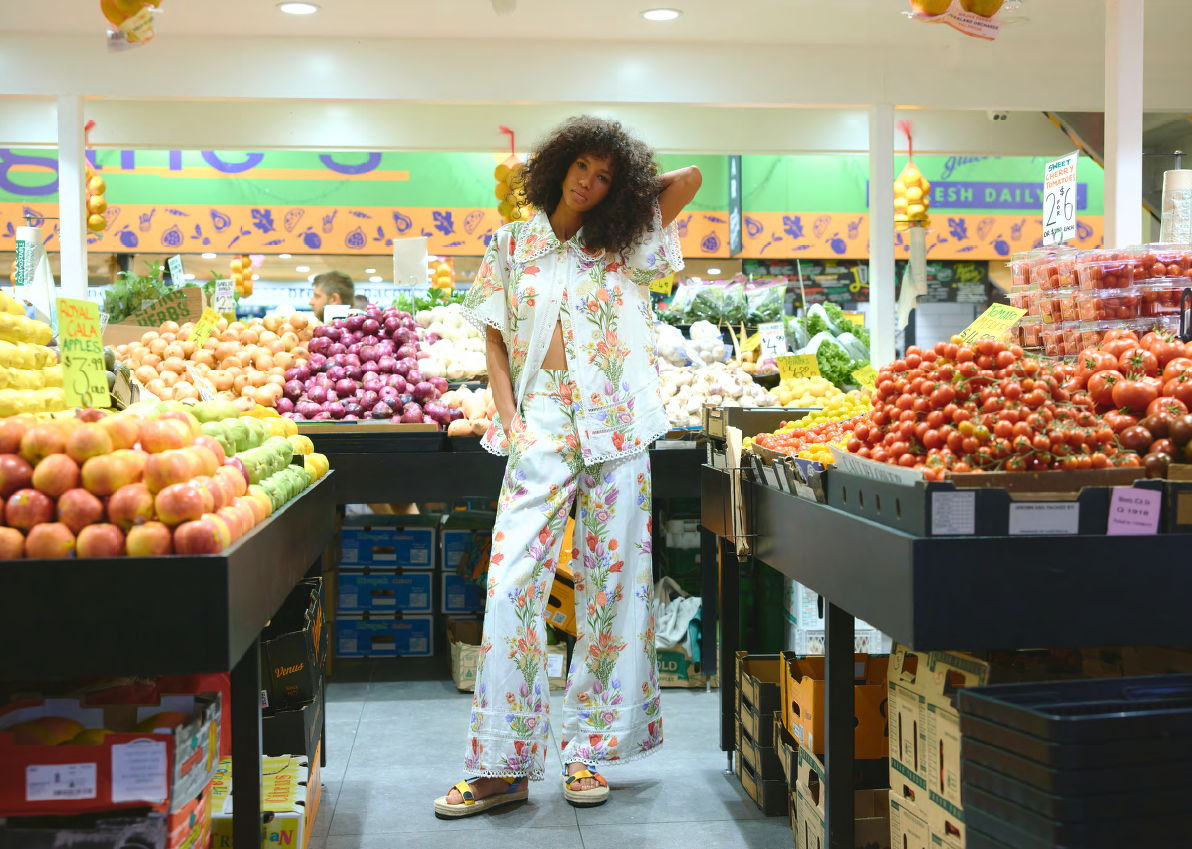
x: 735, y: 309
x: 814, y: 324
x: 707, y: 305
x: 766, y: 304
x: 836, y: 365
x: 414, y: 302
x: 131, y: 291
x: 862, y: 334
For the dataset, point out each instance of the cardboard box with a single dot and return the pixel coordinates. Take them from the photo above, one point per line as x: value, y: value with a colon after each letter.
x: 908, y: 827
x: 759, y: 685
x: 283, y: 801
x: 871, y: 810
x: 771, y: 796
x: 385, y: 589
x: 384, y: 635
x: 803, y: 703
x: 130, y: 769
x: 463, y: 641
x: 387, y: 545
x: 182, y: 305
x: 560, y: 606
x: 460, y: 594
x: 294, y: 732
x: 190, y: 827
x: 143, y: 830
x: 806, y: 625
x: 314, y: 793
x: 294, y: 649
x: 677, y: 669
x: 787, y: 749
x: 762, y: 760
x: 459, y: 545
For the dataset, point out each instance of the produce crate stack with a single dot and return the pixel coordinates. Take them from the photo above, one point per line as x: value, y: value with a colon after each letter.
x: 806, y: 625
x: 290, y: 796
x: 758, y: 700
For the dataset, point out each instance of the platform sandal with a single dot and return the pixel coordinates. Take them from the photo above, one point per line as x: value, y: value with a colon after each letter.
x: 517, y: 792
x: 585, y: 798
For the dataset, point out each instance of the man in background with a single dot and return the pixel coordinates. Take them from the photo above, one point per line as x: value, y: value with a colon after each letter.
x: 331, y: 287
x: 361, y: 302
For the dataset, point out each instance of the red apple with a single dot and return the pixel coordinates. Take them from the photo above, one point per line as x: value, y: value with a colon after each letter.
x: 130, y: 505
x: 188, y: 419
x: 210, y: 442
x: 104, y: 475
x: 12, y: 544
x: 247, y: 516
x: 124, y: 429
x: 163, y: 434
x: 134, y: 461
x: 221, y: 527
x: 11, y: 431
x: 236, y: 464
x: 179, y: 502
x: 253, y: 505
x: 214, y: 490
x: 27, y: 508
x: 88, y: 440
x: 205, y: 457
x: 234, y: 520
x: 15, y: 472
x: 49, y: 541
x: 166, y: 468
x: 78, y: 508
x: 91, y: 415
x: 263, y: 498
x: 42, y: 440
x: 101, y: 541
x: 201, y: 536
x: 151, y: 539
x: 232, y: 476
x: 55, y: 474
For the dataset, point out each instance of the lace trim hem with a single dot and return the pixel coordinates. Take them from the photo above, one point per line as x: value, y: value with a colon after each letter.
x: 480, y: 322
x: 626, y: 452
x: 533, y: 775
x: 636, y: 756
x: 493, y: 449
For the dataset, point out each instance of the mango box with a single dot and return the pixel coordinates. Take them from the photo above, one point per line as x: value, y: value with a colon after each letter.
x: 677, y: 669
x: 803, y: 703
x: 283, y: 795
x: 463, y: 641
x: 385, y: 545
x: 871, y: 810
x: 460, y: 594
x: 294, y: 649
x: 560, y: 605
x: 384, y: 635
x: 381, y: 589
x: 908, y: 827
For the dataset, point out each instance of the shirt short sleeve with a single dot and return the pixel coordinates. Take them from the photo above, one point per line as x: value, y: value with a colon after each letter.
x: 486, y: 304
x: 658, y: 254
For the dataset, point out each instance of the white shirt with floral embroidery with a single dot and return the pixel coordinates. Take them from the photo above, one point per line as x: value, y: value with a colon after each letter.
x: 529, y: 280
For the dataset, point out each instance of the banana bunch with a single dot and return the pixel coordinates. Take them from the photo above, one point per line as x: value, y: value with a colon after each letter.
x: 511, y: 192
x: 241, y: 268
x: 911, y: 198
x: 442, y: 275
x: 97, y: 204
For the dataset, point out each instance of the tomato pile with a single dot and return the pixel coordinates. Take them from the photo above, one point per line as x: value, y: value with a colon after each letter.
x: 984, y: 407
x: 810, y: 443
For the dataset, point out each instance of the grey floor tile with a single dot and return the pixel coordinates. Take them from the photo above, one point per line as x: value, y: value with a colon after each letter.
x: 772, y: 833
x: 448, y: 835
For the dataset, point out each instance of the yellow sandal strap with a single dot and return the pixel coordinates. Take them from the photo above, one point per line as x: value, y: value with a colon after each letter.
x: 466, y: 791
x: 584, y: 773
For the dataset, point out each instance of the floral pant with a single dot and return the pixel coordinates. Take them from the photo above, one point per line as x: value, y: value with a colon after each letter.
x: 611, y: 707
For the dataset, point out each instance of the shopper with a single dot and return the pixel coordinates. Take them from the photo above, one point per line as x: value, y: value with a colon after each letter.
x: 564, y: 302
x: 331, y: 287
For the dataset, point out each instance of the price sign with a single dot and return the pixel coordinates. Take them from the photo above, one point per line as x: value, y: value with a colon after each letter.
x: 203, y: 327
x: 225, y: 303
x: 177, y: 273
x: 994, y: 323
x: 205, y: 387
x: 866, y: 377
x: 84, y: 378
x: 773, y: 338
x: 751, y: 343
x: 857, y: 318
x: 663, y: 285
x: 798, y: 365
x: 1059, y: 199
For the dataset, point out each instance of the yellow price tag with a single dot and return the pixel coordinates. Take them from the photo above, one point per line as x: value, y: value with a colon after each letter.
x: 866, y: 377
x: 751, y: 343
x: 857, y: 318
x: 798, y: 365
x: 663, y: 285
x: 84, y: 378
x: 994, y: 323
x: 203, y: 327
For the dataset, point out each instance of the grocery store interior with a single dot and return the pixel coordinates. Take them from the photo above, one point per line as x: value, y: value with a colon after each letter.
x: 858, y: 506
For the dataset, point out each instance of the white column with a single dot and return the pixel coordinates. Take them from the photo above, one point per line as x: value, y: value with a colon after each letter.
x: 881, y: 234
x: 1123, y: 122
x: 72, y: 212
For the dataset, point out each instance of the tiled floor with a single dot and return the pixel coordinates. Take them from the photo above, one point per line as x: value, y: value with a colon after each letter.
x: 395, y: 745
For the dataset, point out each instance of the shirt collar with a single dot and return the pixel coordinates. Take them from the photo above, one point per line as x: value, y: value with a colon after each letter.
x: 538, y: 239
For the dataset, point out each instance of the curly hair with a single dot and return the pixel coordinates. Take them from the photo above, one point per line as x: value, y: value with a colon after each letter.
x: 626, y: 214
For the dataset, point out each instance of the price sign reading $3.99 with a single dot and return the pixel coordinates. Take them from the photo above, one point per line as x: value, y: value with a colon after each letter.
x: 84, y: 378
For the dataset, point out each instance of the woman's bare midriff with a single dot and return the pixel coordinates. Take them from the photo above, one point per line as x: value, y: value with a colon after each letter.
x: 556, y: 356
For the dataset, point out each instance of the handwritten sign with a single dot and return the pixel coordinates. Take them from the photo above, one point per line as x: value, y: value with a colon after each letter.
x: 177, y: 272
x: 224, y: 302
x: 1134, y: 511
x: 203, y: 327
x: 84, y: 377
x: 994, y: 323
x: 663, y: 285
x: 798, y: 365
x: 866, y: 377
x: 206, y: 387
x: 751, y: 343
x: 773, y: 339
x: 857, y: 318
x: 1059, y: 199
x: 180, y: 305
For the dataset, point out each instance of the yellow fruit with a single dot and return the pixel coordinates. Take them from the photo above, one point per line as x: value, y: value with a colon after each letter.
x: 501, y: 173
x: 914, y: 194
x: 503, y: 191
x: 96, y: 185
x: 96, y: 223
x: 900, y: 204
x: 505, y: 208
x: 899, y: 187
x: 97, y: 204
x: 301, y: 443
x: 984, y: 8
x: 915, y: 210
x: 236, y: 266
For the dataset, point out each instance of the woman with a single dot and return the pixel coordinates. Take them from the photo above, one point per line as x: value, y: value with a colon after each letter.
x: 563, y: 300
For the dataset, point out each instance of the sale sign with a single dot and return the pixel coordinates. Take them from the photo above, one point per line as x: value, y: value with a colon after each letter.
x: 1059, y: 199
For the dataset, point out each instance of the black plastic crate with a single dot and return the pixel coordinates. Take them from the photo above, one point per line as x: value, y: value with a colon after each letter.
x: 1087, y: 711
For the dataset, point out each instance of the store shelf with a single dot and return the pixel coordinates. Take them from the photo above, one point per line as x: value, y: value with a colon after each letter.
x: 158, y: 615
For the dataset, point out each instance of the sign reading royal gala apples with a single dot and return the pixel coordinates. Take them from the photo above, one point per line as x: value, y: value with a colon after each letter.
x: 84, y: 377
x: 1059, y: 199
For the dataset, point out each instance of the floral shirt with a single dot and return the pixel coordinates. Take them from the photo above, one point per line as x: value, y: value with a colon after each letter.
x: 529, y: 280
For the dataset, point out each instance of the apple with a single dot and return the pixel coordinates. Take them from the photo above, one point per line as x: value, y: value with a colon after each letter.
x: 180, y: 502
x: 134, y: 461
x: 259, y: 513
x: 78, y: 508
x: 27, y: 508
x: 930, y: 7
x: 151, y: 539
x: 263, y: 497
x: 201, y: 536
x: 15, y: 473
x: 234, y: 519
x: 55, y: 474
x: 130, y: 505
x: 984, y: 8
x: 238, y: 465
x: 188, y: 419
x: 104, y: 475
x: 221, y: 527
x: 124, y: 429
x: 88, y: 440
x: 12, y: 544
x: 163, y: 434
x: 205, y: 458
x: 168, y: 467
x: 11, y: 431
x: 101, y: 541
x: 232, y: 476
x: 42, y: 440
x: 91, y: 414
x: 248, y: 519
x: 205, y: 441
x: 49, y: 541
x: 215, y: 490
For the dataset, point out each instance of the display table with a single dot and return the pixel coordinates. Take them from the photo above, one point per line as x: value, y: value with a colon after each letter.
x: 170, y: 615
x: 941, y: 593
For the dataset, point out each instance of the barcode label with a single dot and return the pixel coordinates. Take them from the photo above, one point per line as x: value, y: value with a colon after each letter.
x: 44, y: 783
x: 418, y: 645
x: 419, y: 600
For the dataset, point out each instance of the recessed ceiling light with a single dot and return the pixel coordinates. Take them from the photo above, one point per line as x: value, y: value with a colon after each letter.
x: 370, y: 271
x: 713, y: 270
x: 376, y: 278
x: 283, y: 256
x: 188, y: 276
x: 661, y: 14
x: 208, y: 255
x: 302, y: 269
x: 298, y: 8
x: 256, y: 277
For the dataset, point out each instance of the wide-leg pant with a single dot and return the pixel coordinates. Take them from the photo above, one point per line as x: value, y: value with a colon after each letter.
x: 611, y: 707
